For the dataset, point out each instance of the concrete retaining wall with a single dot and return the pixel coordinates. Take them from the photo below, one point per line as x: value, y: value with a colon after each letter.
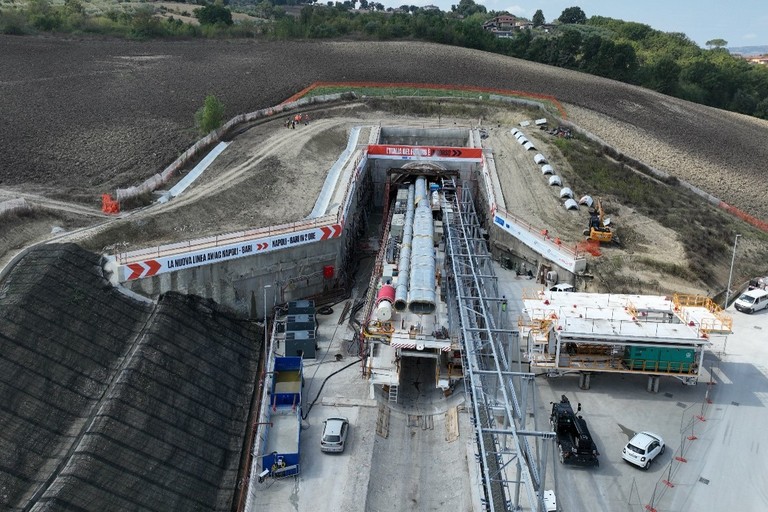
x: 289, y: 274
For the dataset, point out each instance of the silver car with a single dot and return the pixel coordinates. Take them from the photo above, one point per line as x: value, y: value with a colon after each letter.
x: 643, y: 448
x: 334, y: 434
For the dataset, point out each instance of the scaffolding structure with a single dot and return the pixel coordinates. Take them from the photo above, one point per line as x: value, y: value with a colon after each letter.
x: 511, y: 458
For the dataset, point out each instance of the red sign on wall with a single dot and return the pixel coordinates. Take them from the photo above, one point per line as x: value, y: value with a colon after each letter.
x: 424, y: 152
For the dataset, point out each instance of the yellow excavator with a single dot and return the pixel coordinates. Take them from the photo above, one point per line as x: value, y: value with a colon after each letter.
x: 599, y: 229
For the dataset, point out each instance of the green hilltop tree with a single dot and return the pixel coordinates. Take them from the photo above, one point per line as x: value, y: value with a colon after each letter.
x: 573, y: 16
x: 210, y: 116
x: 538, y: 18
x: 213, y: 14
x: 717, y: 43
x: 468, y: 8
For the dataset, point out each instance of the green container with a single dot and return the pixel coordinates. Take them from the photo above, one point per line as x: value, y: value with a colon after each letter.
x: 662, y: 359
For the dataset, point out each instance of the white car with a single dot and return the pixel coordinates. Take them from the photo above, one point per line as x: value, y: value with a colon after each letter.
x: 643, y: 448
x: 334, y: 435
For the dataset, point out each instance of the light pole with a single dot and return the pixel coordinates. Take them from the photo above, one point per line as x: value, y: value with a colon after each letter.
x: 730, y: 274
x: 265, y: 311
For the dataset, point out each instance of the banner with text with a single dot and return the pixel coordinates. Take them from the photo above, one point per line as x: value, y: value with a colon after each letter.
x: 155, y: 266
x: 443, y: 153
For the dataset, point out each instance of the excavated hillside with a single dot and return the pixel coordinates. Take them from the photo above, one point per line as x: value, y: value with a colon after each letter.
x: 112, y: 403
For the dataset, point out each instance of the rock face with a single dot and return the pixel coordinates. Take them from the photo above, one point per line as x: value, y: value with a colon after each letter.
x: 112, y: 403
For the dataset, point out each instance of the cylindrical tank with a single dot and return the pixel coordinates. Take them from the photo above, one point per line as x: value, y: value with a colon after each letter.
x: 384, y: 300
x: 552, y: 277
x: 435, y: 199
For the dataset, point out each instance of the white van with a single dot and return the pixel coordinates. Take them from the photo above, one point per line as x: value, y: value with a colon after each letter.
x: 751, y: 301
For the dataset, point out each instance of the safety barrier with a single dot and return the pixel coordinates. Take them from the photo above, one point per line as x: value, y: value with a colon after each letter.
x: 692, y: 422
x: 525, y: 97
x: 721, y: 323
x: 109, y: 204
x: 240, y: 236
x: 13, y: 206
x: 220, y: 240
x: 160, y: 179
x: 759, y: 224
x: 543, y: 235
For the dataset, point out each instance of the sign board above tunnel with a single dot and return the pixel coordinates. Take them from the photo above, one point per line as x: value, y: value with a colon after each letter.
x: 444, y: 153
x: 206, y: 256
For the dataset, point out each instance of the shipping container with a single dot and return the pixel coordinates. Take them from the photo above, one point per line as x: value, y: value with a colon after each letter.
x: 659, y: 358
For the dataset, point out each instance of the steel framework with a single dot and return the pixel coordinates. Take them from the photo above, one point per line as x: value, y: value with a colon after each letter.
x: 500, y: 397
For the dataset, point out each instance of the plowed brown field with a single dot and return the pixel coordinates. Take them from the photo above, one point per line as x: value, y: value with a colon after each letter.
x: 85, y: 116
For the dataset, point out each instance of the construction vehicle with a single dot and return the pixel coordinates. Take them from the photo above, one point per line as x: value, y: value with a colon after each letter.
x: 574, y: 442
x: 599, y: 229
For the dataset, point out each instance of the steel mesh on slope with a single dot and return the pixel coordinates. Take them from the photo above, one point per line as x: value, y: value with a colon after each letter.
x: 171, y: 432
x: 158, y: 411
x: 56, y: 355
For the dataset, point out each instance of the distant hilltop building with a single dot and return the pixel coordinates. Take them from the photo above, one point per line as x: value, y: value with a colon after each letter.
x: 506, y: 25
x: 760, y: 59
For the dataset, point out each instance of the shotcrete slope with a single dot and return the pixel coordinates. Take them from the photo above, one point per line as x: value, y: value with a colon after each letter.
x: 112, y: 403
x: 92, y: 115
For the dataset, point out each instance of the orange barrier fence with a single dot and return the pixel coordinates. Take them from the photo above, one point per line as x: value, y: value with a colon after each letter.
x: 693, y: 421
x: 409, y: 85
x: 759, y: 224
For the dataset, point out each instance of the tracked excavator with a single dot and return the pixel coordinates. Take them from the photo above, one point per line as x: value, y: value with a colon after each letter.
x: 599, y: 229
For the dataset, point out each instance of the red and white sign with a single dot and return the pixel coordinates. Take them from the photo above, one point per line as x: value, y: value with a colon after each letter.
x: 444, y: 153
x: 155, y: 266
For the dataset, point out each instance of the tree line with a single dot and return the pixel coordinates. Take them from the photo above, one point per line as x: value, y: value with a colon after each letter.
x: 630, y: 52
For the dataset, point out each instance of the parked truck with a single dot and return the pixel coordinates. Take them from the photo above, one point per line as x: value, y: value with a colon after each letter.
x: 574, y: 442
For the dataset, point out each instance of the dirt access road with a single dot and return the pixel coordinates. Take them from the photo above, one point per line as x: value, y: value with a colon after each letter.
x: 270, y: 175
x: 111, y: 113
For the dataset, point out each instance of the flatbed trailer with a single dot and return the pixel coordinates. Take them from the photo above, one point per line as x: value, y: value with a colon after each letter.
x: 283, y: 423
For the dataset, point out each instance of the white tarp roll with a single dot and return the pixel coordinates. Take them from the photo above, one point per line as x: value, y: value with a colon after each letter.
x: 13, y: 205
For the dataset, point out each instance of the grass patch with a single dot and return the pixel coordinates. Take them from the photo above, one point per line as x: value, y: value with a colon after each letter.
x: 665, y: 267
x: 418, y: 107
x: 371, y: 91
x: 705, y: 231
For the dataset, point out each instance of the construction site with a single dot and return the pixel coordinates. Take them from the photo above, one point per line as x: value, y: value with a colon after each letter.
x: 405, y: 294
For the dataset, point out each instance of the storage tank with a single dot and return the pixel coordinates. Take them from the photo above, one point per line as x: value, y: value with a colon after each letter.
x: 435, y: 200
x: 384, y: 300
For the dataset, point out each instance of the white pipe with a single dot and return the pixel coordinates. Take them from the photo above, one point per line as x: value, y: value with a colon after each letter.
x: 421, y: 291
x: 404, y: 263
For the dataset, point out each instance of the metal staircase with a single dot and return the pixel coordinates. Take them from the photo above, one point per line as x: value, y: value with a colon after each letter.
x: 393, y: 391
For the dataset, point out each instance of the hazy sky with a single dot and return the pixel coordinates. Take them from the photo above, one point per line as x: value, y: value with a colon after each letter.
x: 740, y: 22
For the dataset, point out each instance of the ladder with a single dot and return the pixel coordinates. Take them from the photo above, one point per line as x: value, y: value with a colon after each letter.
x: 393, y: 393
